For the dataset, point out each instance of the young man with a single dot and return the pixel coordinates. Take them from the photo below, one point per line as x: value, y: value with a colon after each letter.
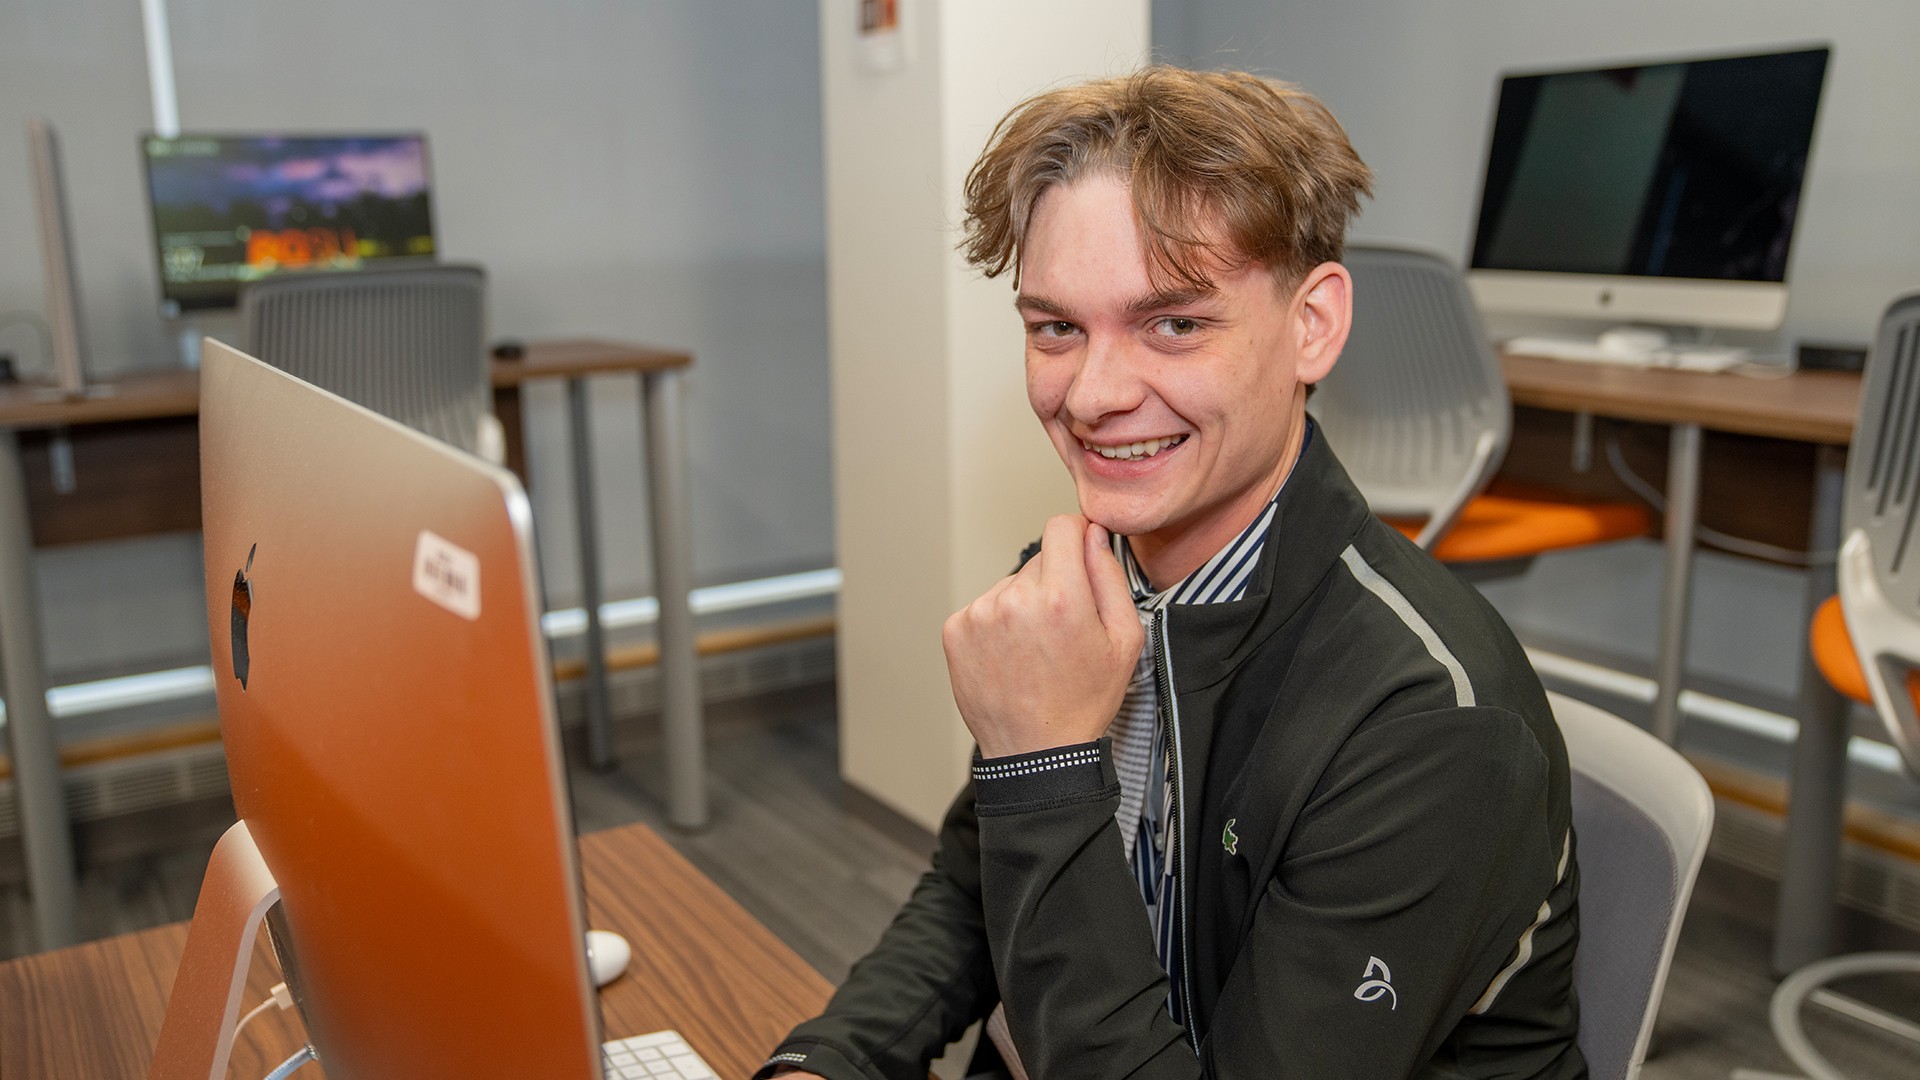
x: 1263, y: 791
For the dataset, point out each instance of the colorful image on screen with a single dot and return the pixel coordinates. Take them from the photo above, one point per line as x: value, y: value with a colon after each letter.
x: 232, y: 209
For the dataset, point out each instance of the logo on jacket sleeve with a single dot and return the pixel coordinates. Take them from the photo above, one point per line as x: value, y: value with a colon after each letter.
x: 1378, y: 984
x: 1228, y: 840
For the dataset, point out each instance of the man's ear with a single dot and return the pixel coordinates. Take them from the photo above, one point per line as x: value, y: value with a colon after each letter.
x: 1324, y: 314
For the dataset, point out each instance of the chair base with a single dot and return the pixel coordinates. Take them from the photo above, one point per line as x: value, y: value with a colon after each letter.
x: 1809, y: 984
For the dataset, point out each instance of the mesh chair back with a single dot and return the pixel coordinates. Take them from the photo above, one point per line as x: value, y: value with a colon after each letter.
x: 1417, y: 407
x: 410, y: 344
x: 1641, y: 819
x: 1879, y: 569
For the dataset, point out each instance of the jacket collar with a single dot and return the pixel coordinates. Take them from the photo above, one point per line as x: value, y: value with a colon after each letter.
x: 1317, y: 515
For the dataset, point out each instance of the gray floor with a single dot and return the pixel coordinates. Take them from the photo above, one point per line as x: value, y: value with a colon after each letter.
x: 824, y: 873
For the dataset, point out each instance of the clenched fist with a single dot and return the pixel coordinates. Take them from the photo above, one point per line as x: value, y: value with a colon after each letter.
x: 1042, y: 659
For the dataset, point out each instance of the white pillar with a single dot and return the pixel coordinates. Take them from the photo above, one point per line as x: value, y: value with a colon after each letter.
x: 941, y: 473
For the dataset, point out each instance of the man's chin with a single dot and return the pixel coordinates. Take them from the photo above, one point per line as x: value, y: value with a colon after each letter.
x: 1119, y: 522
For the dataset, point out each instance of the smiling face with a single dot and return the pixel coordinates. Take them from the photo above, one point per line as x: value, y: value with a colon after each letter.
x: 1178, y: 411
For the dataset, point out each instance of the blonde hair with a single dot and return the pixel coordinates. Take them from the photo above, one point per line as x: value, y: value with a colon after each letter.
x: 1225, y: 167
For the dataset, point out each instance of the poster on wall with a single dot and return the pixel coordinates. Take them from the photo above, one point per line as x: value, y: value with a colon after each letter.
x: 884, y: 45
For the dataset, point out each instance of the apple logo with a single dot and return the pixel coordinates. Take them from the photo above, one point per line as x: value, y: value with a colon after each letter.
x: 242, y: 609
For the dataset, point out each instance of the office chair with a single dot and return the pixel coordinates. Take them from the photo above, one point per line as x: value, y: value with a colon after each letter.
x: 1866, y: 640
x: 1417, y: 409
x: 1641, y: 819
x: 409, y: 343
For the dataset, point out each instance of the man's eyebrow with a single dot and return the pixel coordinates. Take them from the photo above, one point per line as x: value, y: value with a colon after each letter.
x: 1170, y: 298
x: 1029, y: 302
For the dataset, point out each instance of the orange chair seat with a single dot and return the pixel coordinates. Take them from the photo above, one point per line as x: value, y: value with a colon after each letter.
x: 1833, y: 652
x: 1495, y: 527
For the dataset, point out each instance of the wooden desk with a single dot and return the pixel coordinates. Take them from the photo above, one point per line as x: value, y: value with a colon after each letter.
x: 149, y: 472
x: 1809, y: 406
x: 1817, y: 407
x: 701, y: 965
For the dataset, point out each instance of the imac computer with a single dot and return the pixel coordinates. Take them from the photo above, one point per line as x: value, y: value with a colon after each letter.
x: 387, y: 712
x: 1662, y: 193
x: 230, y: 209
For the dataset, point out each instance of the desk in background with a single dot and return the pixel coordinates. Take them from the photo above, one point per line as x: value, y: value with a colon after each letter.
x: 136, y: 451
x: 1816, y: 407
x: 701, y: 965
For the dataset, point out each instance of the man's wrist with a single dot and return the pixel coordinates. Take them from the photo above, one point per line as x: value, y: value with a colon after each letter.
x: 1054, y: 775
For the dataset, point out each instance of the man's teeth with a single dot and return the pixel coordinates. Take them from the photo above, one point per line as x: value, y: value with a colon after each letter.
x: 1134, y: 451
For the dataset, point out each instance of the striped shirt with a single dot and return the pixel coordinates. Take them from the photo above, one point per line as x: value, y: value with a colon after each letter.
x: 1145, y: 816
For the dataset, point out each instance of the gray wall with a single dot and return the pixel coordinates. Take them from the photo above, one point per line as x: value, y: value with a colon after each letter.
x: 647, y: 170
x: 1413, y: 82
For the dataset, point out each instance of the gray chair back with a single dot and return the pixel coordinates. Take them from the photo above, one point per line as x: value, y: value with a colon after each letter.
x: 1417, y: 407
x: 1641, y: 819
x: 409, y: 343
x: 1880, y: 560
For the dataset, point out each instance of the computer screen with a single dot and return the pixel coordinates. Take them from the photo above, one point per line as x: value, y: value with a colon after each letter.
x: 229, y: 209
x: 1665, y: 191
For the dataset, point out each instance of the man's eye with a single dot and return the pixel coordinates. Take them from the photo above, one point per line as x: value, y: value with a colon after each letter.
x: 1177, y: 326
x: 1056, y: 328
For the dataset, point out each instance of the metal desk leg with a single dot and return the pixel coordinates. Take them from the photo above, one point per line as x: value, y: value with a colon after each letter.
x: 1683, y: 510
x: 672, y: 524
x: 45, y: 833
x: 1804, y: 923
x: 587, y: 524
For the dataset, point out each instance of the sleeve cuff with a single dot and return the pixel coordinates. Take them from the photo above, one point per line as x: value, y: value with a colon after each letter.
x: 1050, y: 777
x: 815, y: 1058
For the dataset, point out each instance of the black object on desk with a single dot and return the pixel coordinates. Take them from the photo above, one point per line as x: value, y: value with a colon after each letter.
x: 1827, y: 356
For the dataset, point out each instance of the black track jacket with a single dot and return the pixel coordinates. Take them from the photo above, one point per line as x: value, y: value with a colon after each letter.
x: 1375, y: 854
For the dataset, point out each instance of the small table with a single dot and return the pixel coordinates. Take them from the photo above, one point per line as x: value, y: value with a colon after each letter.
x: 702, y: 965
x: 1816, y: 407
x: 671, y: 527
x: 155, y: 504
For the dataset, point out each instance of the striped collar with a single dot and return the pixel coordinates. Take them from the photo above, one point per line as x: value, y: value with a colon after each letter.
x: 1220, y: 579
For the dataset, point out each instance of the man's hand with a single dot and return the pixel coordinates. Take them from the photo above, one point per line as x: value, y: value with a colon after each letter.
x: 1042, y: 659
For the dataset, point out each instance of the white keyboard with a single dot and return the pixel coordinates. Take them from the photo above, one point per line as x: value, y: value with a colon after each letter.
x: 1684, y: 358
x: 663, y: 1055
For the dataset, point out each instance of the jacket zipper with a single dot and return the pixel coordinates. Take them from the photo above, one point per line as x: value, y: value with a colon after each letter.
x: 1170, y: 726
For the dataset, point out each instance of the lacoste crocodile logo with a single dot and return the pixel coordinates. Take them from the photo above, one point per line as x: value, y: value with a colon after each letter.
x: 1373, y: 989
x: 1228, y: 840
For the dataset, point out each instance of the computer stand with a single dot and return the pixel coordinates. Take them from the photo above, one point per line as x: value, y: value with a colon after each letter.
x: 196, y: 1037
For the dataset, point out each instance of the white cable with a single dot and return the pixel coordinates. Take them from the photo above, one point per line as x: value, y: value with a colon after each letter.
x: 256, y: 1011
x: 292, y: 1065
x: 283, y: 998
x: 1738, y: 545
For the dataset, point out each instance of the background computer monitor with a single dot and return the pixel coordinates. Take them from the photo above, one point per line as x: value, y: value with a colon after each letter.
x: 229, y: 209
x: 1662, y: 192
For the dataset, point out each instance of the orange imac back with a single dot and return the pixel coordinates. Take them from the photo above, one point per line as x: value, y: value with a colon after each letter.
x: 385, y: 702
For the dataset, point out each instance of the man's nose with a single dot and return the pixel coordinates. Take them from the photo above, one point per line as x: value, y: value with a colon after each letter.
x: 1106, y: 384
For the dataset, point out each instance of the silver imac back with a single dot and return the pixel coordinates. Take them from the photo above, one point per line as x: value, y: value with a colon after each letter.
x: 386, y: 705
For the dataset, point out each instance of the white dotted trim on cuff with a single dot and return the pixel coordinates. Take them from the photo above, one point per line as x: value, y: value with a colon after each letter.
x: 1090, y: 756
x: 788, y: 1058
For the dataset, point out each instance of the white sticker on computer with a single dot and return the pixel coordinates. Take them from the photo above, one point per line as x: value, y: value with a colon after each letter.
x: 447, y: 574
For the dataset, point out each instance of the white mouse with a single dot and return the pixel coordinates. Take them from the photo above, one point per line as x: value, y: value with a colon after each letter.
x: 607, y: 956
